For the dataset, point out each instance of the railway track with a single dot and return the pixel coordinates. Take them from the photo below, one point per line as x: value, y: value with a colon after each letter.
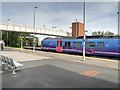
x: 36, y: 48
x: 98, y: 56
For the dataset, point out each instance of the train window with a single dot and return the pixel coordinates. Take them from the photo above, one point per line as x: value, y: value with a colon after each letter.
x: 77, y: 44
x: 90, y: 44
x: 60, y: 43
x: 67, y: 45
x: 57, y: 43
x: 100, y: 44
x: 43, y: 43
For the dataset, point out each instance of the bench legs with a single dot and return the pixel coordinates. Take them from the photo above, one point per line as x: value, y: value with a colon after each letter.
x: 13, y: 71
x: 9, y: 63
x: 4, y: 67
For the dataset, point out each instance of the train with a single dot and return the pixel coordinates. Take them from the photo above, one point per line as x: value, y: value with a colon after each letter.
x: 94, y: 45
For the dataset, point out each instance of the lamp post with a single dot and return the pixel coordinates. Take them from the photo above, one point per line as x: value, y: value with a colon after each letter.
x: 118, y: 18
x: 76, y: 27
x: 1, y: 35
x: 34, y: 30
x: 54, y: 28
x: 21, y: 38
x: 7, y: 30
x: 84, y: 38
x: 45, y: 30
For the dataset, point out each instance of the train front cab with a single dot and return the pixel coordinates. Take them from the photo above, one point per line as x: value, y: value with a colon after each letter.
x: 59, y: 46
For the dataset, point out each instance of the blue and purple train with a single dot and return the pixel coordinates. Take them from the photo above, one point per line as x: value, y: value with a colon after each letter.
x: 95, y: 45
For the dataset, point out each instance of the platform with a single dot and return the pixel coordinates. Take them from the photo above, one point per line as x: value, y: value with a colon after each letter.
x: 55, y: 70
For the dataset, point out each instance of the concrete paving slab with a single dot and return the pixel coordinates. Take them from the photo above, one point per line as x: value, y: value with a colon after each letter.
x: 48, y: 76
x: 58, y: 64
x: 22, y: 56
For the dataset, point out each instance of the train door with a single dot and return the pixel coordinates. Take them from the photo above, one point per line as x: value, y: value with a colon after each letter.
x: 59, y: 46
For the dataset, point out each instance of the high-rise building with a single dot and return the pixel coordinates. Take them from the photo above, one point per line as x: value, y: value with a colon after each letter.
x: 77, y: 29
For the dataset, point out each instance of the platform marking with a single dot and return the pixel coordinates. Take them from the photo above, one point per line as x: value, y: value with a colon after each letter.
x: 90, y: 73
x: 101, y: 59
x: 1, y: 71
x: 38, y: 59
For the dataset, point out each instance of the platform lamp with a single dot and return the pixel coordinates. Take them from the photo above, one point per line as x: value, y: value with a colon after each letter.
x: 0, y: 34
x: 84, y: 37
x: 34, y: 30
x: 118, y: 18
x: 21, y: 38
x: 7, y: 30
x: 45, y: 30
x: 54, y: 28
x: 76, y: 27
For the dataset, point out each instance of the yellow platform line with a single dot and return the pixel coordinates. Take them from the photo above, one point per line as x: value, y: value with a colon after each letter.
x: 93, y: 58
x: 101, y: 59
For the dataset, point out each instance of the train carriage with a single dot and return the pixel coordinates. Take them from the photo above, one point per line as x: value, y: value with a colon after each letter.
x: 106, y: 46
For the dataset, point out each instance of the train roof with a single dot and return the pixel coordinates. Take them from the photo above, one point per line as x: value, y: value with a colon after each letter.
x: 88, y: 37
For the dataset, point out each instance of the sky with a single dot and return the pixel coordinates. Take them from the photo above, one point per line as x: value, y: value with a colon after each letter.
x: 100, y: 16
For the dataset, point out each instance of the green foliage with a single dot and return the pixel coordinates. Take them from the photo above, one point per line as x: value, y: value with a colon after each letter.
x: 99, y: 33
x: 14, y: 39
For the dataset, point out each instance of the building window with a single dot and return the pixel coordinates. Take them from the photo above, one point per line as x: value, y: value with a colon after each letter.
x: 100, y: 44
x: 77, y: 45
x: 90, y: 44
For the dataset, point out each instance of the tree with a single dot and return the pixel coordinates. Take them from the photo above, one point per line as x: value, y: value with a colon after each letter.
x: 14, y: 39
x: 108, y: 33
x: 94, y: 33
x: 102, y: 33
x: 99, y: 33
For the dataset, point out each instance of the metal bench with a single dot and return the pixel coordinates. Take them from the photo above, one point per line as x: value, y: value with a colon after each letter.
x: 9, y: 63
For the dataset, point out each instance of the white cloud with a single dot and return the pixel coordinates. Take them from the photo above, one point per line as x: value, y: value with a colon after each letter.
x: 102, y: 16
x: 60, y: 0
x: 99, y: 16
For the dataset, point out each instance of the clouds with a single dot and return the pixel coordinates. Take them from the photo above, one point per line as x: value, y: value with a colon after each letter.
x: 61, y: 0
x: 103, y: 17
x: 99, y: 16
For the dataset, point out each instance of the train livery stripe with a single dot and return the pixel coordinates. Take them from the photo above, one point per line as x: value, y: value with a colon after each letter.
x: 80, y: 51
x: 50, y: 48
x: 99, y: 52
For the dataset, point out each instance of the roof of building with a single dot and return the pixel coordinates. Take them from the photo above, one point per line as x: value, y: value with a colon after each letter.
x: 101, y: 37
x: 87, y: 37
